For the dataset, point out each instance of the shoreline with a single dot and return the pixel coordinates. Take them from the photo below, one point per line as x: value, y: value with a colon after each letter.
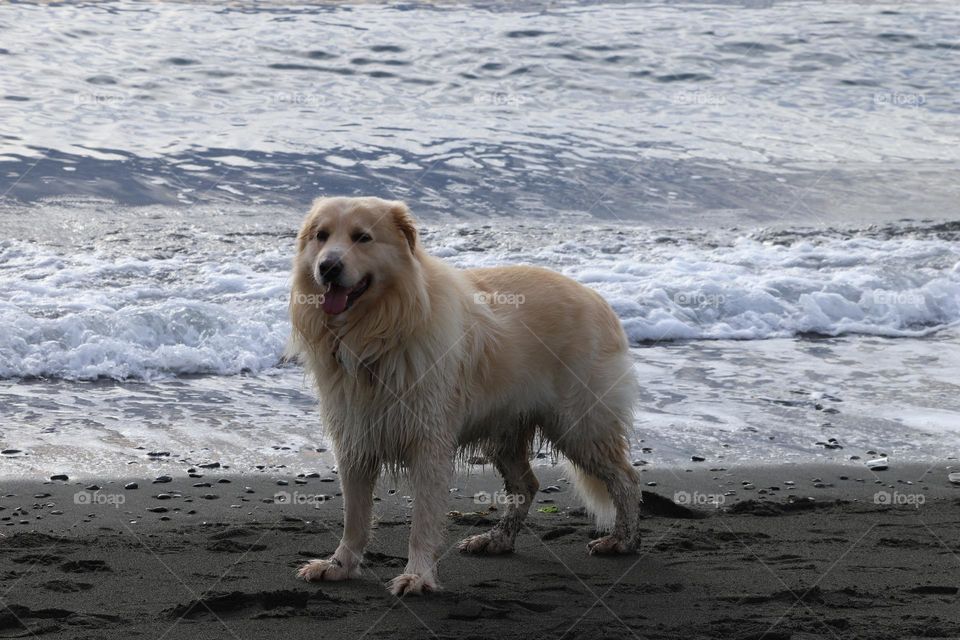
x: 218, y: 560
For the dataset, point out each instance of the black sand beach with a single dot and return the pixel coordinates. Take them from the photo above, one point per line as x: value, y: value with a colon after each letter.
x: 794, y: 552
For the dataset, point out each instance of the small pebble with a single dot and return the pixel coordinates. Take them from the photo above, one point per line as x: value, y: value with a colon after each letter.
x: 162, y: 479
x: 131, y: 485
x: 60, y: 476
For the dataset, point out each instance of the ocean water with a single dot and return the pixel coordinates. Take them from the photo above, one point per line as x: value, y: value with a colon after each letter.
x: 764, y: 191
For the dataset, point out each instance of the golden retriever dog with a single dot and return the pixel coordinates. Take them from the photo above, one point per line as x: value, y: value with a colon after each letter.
x: 415, y: 361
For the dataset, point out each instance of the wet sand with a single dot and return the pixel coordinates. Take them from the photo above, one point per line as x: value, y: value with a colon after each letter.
x: 841, y: 552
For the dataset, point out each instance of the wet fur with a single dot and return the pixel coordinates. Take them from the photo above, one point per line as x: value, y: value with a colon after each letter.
x: 419, y: 369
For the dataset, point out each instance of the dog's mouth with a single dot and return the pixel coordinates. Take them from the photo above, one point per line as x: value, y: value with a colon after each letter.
x: 338, y: 299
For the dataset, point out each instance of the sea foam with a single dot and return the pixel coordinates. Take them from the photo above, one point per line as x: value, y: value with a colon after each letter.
x: 84, y: 315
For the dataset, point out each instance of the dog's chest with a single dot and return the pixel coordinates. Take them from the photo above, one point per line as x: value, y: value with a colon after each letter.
x: 388, y: 413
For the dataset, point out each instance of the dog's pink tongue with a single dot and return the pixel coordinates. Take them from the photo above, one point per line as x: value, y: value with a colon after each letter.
x: 335, y: 300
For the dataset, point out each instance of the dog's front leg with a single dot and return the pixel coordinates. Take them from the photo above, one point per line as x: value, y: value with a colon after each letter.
x: 357, y: 482
x: 430, y: 475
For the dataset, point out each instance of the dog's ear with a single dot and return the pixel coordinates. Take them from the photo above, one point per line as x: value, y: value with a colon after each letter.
x: 306, y: 227
x: 405, y: 222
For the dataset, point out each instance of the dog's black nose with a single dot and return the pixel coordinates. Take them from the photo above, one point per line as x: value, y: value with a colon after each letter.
x: 330, y: 269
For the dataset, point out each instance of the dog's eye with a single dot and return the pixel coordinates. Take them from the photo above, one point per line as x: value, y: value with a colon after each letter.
x: 362, y: 237
x: 322, y: 235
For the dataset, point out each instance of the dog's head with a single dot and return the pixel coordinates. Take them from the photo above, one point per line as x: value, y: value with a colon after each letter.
x: 351, y: 251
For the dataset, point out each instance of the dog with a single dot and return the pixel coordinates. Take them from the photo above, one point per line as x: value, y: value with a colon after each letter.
x: 415, y: 361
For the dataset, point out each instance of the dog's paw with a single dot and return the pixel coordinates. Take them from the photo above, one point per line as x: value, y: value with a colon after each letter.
x: 412, y: 583
x: 610, y: 545
x: 491, y: 543
x: 330, y: 570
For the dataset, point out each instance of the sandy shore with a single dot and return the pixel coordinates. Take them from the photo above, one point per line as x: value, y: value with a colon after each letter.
x: 831, y: 551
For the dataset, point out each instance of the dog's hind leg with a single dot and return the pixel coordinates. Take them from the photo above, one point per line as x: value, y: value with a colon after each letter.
x: 622, y: 484
x: 511, y: 458
x: 604, y: 475
x: 357, y: 482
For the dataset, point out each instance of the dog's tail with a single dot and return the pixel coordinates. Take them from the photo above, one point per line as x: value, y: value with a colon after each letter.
x: 595, y: 496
